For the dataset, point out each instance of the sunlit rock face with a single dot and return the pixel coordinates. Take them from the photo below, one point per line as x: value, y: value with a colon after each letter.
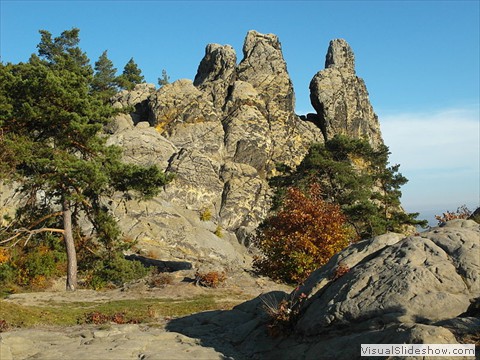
x: 340, y: 97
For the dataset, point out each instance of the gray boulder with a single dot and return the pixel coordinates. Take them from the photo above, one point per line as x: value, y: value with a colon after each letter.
x: 395, y: 290
x: 399, y: 283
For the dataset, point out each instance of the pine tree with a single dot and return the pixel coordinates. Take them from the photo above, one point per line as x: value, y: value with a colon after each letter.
x: 51, y: 128
x: 131, y: 76
x: 165, y: 79
x: 105, y: 80
x: 358, y: 178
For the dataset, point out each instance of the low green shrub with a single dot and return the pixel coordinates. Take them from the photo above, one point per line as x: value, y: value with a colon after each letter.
x: 32, y: 266
x: 114, y: 271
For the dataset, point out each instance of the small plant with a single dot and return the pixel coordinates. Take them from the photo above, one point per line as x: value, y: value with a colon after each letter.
x: 32, y: 266
x: 218, y: 231
x: 339, y: 271
x: 4, y: 255
x: 99, y: 318
x: 302, y: 236
x: 4, y: 326
x: 282, y: 314
x: 160, y: 280
x: 96, y: 318
x: 114, y: 271
x: 205, y: 214
x: 212, y: 279
x: 462, y: 213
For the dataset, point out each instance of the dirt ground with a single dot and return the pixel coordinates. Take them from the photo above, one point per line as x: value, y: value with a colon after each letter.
x: 237, y: 287
x: 129, y: 341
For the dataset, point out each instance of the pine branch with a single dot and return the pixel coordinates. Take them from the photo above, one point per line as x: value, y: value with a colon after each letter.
x: 24, y: 231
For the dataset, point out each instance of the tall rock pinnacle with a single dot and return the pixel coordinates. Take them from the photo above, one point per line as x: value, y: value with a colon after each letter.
x: 264, y: 67
x: 340, y: 55
x: 340, y: 97
x: 216, y: 73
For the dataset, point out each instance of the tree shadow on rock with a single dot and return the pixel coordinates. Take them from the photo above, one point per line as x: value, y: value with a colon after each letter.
x: 238, y: 334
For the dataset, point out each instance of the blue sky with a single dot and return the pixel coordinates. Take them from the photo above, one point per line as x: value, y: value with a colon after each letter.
x: 419, y: 59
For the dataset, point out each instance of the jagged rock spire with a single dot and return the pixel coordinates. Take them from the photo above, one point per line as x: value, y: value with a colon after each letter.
x: 340, y: 55
x: 340, y: 98
x: 216, y: 73
x: 264, y: 67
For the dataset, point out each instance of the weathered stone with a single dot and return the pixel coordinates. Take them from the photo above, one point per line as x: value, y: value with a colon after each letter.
x: 178, y: 103
x: 263, y: 66
x: 119, y: 342
x: 216, y: 73
x: 197, y: 181
x: 340, y: 55
x: 136, y: 100
x: 340, y: 98
x: 176, y: 233
x: 206, y: 137
x: 245, y: 197
x: 400, y: 282
x: 247, y: 137
x: 143, y: 146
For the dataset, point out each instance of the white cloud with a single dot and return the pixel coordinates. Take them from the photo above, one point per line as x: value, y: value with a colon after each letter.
x: 439, y: 153
x: 442, y: 140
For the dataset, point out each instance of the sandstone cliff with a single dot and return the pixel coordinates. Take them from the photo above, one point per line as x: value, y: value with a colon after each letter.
x: 223, y: 135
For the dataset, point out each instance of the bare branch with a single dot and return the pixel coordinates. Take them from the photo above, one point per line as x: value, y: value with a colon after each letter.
x: 58, y: 213
x: 29, y: 233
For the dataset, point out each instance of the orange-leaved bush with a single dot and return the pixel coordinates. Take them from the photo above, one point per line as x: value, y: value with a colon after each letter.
x: 302, y: 236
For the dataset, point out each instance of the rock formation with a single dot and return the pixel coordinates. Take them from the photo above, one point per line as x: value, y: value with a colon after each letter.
x: 397, y: 290
x: 340, y: 97
x: 216, y: 73
x: 223, y: 136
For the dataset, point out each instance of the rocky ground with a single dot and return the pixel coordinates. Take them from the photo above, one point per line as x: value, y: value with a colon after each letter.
x: 392, y: 289
x: 127, y: 341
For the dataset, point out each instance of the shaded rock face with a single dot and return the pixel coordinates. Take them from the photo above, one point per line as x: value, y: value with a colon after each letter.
x: 417, y: 289
x: 137, y: 98
x: 340, y: 97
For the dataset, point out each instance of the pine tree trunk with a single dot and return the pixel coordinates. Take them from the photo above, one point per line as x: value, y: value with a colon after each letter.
x: 70, y: 247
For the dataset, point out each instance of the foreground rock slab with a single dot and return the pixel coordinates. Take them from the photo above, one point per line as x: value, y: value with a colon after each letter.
x: 115, y: 342
x: 395, y: 290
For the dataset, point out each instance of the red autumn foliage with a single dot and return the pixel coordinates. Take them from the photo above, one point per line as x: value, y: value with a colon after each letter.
x: 302, y: 236
x: 462, y: 213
